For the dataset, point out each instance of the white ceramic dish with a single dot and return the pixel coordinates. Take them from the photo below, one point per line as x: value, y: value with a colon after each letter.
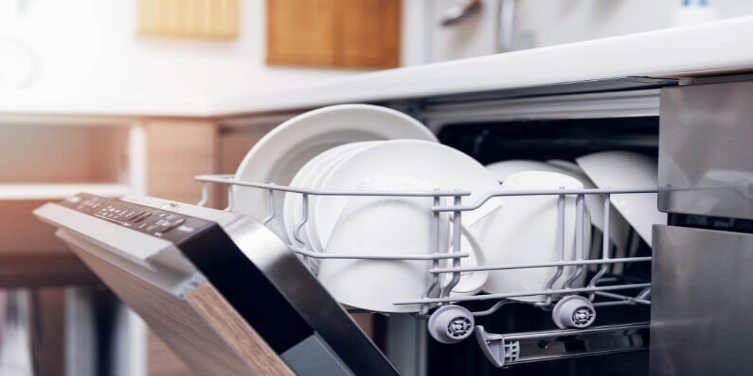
x: 387, y: 226
x: 307, y: 177
x: 278, y: 156
x: 619, y: 229
x: 621, y: 169
x: 501, y: 170
x: 438, y: 165
x: 525, y: 232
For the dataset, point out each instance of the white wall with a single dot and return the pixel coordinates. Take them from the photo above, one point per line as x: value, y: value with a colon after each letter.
x: 91, y: 46
x: 551, y: 22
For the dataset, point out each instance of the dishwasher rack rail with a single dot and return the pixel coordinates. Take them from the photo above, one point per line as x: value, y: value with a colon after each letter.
x: 573, y: 307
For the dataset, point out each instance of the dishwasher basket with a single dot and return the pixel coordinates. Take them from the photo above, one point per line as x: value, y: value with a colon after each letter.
x: 573, y: 308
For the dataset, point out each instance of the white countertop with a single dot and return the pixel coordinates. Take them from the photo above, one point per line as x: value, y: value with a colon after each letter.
x: 721, y: 46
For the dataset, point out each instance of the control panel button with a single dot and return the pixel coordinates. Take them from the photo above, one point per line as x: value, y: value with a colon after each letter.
x: 142, y: 217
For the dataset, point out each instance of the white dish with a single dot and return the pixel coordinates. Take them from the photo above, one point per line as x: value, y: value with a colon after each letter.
x: 438, y: 165
x: 388, y: 226
x: 470, y: 283
x: 501, y: 170
x: 306, y: 177
x: 619, y: 229
x: 278, y: 156
x: 621, y: 169
x: 525, y: 231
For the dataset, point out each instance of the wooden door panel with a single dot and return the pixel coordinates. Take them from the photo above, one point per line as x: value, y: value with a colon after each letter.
x: 334, y: 33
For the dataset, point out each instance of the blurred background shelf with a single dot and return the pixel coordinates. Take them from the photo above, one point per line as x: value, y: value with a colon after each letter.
x: 58, y: 191
x: 28, y: 270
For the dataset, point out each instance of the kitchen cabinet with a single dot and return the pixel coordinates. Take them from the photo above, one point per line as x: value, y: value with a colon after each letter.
x: 334, y: 33
x: 216, y: 19
x: 177, y: 150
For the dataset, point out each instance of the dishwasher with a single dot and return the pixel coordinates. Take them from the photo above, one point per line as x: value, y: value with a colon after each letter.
x: 231, y: 297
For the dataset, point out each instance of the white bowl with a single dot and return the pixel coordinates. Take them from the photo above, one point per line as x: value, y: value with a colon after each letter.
x: 621, y: 169
x: 525, y: 232
x: 619, y: 229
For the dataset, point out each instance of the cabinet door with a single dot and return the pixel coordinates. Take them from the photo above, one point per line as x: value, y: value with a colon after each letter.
x: 334, y: 33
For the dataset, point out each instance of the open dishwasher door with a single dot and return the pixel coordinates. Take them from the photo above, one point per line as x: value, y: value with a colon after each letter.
x: 223, y: 291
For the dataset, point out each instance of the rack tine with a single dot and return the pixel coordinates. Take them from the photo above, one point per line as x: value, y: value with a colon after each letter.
x: 204, y: 194
x: 605, y: 245
x: 645, y: 294
x: 436, y: 241
x: 560, y: 244
x: 302, y: 222
x: 272, y: 207
x: 299, y: 226
x: 456, y: 236
x: 579, y: 243
x: 230, y: 198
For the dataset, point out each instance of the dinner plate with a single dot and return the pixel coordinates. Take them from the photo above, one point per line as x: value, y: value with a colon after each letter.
x: 306, y: 177
x: 392, y: 226
x: 278, y: 156
x: 438, y: 165
x: 622, y: 169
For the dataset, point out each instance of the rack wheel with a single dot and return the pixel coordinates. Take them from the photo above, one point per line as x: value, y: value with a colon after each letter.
x: 574, y: 311
x: 451, y: 324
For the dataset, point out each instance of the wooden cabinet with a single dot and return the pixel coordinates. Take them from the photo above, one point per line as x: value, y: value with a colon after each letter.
x: 177, y: 150
x: 334, y: 33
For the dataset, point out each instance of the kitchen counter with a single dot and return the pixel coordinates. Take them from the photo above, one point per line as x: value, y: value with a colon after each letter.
x: 712, y: 48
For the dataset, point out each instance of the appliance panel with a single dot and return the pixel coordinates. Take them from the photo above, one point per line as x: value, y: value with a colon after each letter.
x: 701, y: 302
x: 244, y: 299
x: 705, y: 153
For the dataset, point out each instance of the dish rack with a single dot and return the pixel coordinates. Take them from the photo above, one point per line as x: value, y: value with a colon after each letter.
x: 573, y: 308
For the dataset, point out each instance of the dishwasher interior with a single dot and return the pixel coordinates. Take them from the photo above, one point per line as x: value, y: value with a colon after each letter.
x: 547, y: 140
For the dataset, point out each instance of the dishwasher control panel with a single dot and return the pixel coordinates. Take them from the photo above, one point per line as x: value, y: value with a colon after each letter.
x: 153, y: 221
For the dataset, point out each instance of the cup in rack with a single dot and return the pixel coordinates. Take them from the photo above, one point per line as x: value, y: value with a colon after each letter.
x: 385, y: 226
x: 526, y: 233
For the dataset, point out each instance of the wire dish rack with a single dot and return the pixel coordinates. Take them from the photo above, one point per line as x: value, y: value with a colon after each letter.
x: 573, y: 308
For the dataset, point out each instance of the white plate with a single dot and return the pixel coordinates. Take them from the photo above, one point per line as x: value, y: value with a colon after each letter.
x: 278, y: 156
x: 436, y: 164
x: 390, y: 226
x: 621, y: 169
x: 306, y: 177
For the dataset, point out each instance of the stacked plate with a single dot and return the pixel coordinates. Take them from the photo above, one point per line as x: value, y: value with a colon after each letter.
x: 374, y: 149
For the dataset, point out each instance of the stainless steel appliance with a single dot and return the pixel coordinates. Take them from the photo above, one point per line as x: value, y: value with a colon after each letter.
x: 700, y: 316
